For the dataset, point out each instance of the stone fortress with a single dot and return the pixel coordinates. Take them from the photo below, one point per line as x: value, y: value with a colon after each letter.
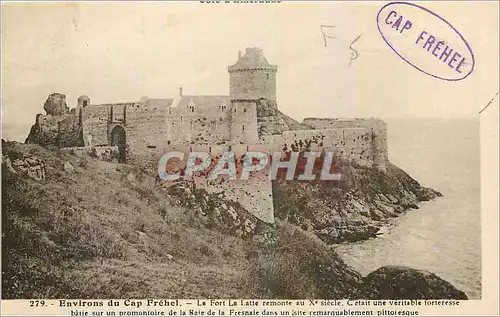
x: 247, y: 119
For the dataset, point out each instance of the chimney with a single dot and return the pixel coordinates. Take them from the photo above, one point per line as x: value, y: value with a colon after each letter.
x: 239, y: 55
x: 180, y: 91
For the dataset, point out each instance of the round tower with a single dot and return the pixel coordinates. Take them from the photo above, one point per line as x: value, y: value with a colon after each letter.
x: 252, y: 77
x: 83, y: 101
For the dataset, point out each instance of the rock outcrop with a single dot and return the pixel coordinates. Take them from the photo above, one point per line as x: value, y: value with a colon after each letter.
x: 399, y: 282
x: 352, y: 209
x: 55, y: 105
x: 215, y: 211
x: 59, y: 127
x: 31, y: 166
x: 272, y: 121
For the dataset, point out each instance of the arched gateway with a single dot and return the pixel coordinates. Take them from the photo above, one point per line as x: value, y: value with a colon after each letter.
x: 118, y: 138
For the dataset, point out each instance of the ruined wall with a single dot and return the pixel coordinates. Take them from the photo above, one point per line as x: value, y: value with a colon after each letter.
x: 145, y: 126
x: 95, y: 123
x: 69, y: 131
x: 44, y: 131
x: 103, y: 153
x: 60, y: 131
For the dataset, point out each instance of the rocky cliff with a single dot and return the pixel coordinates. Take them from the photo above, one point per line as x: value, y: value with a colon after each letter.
x: 85, y: 228
x: 352, y: 208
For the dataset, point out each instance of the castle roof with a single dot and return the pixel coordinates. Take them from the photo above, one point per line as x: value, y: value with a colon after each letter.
x: 159, y: 102
x: 252, y: 59
x: 205, y: 101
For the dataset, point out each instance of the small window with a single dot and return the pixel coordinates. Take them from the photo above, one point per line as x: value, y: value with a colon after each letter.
x: 245, y: 110
x: 182, y: 120
x: 267, y: 76
x: 85, y: 102
x: 243, y: 128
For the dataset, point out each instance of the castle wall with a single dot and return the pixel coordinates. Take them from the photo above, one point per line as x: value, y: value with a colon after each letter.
x: 95, y: 123
x: 254, y: 194
x: 243, y: 122
x: 376, y: 128
x: 204, y: 125
x: 60, y: 130
x: 145, y: 126
x: 69, y: 132
x: 347, y: 144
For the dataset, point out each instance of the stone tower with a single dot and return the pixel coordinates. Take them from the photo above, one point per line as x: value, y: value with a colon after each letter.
x: 252, y: 77
x: 251, y: 80
x: 83, y: 101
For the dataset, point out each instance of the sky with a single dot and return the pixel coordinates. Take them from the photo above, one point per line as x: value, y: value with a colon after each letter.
x: 115, y: 52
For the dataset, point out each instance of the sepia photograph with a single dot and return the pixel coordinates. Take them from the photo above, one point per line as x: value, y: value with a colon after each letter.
x: 240, y: 152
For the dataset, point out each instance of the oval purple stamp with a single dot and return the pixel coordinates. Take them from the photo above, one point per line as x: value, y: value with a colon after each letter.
x: 425, y: 40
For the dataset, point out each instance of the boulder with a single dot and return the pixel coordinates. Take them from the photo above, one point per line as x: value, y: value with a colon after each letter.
x: 8, y: 163
x: 31, y: 166
x: 399, y: 282
x: 68, y: 167
x: 55, y: 104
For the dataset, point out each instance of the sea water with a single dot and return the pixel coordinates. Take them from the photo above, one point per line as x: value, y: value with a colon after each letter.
x: 444, y: 235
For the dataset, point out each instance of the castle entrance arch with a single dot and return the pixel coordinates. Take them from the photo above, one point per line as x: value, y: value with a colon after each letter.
x: 118, y: 138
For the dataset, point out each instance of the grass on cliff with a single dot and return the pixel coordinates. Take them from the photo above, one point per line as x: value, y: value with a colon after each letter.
x: 105, y: 231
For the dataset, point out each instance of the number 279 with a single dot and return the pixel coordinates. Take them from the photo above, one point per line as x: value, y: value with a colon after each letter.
x: 37, y: 303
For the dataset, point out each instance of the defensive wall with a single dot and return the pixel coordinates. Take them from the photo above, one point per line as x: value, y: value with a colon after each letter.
x: 248, y: 119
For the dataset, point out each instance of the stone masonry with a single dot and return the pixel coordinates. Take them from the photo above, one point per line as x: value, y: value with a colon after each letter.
x: 248, y: 118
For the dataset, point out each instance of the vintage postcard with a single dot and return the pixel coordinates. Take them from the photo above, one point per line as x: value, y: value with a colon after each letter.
x: 250, y: 158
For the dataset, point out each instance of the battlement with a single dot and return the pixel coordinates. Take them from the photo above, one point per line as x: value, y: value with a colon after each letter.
x: 253, y: 59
